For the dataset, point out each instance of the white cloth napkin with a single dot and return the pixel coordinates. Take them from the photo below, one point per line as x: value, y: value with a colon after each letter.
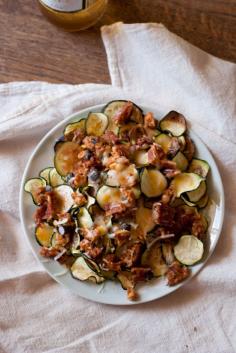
x: 150, y: 65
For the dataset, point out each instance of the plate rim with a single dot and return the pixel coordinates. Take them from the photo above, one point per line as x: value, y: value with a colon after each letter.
x: 36, y: 255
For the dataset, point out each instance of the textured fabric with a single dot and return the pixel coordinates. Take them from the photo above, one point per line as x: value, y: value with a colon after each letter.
x: 152, y: 66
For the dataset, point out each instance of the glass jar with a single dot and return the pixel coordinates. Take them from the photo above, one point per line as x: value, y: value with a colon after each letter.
x: 73, y: 15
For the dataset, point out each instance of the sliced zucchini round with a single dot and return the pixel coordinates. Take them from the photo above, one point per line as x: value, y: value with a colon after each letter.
x: 153, y: 258
x: 84, y: 218
x: 203, y: 201
x: 72, y: 127
x: 32, y: 186
x: 185, y: 182
x: 93, y: 265
x: 181, y: 161
x: 200, y: 204
x: 45, y: 174
x: 107, y: 195
x: 197, y: 194
x: 44, y: 233
x: 174, y: 123
x: 123, y: 176
x: 199, y: 166
x: 96, y: 124
x: 153, y: 182
x: 66, y: 157
x: 144, y: 219
x: 189, y: 250
x: 54, y: 178
x: 164, y: 141
x: 64, y: 196
x: 141, y: 158
x: 112, y: 108
x: 80, y: 270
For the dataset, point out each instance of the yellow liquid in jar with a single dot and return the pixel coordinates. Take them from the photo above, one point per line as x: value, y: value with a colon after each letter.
x: 71, y: 17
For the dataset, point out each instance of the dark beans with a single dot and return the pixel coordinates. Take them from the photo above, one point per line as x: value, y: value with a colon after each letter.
x: 88, y: 154
x: 125, y: 226
x: 94, y: 140
x: 94, y: 175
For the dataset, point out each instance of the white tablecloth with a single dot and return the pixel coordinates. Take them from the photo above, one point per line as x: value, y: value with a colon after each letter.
x: 150, y: 65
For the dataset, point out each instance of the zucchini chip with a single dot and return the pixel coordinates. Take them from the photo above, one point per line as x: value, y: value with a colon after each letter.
x: 174, y: 123
x: 164, y: 141
x: 107, y: 195
x: 84, y: 218
x: 181, y: 161
x: 43, y: 234
x: 72, y: 127
x: 203, y: 201
x: 66, y: 157
x: 32, y: 186
x: 45, y: 174
x: 54, y: 178
x: 80, y: 270
x: 185, y: 182
x: 96, y: 124
x: 189, y: 250
x: 197, y: 194
x: 153, y: 182
x: 64, y: 196
x: 199, y: 166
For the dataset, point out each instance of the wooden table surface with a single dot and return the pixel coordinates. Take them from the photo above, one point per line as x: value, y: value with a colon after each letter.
x: 33, y: 49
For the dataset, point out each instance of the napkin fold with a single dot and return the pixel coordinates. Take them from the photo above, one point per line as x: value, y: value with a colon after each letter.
x: 154, y: 67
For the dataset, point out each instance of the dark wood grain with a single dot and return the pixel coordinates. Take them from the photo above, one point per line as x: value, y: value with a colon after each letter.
x: 33, y: 49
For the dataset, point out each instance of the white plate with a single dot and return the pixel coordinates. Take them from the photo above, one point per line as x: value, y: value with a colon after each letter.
x: 111, y: 292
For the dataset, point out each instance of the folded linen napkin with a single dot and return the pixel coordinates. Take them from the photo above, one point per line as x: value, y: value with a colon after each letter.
x: 150, y: 65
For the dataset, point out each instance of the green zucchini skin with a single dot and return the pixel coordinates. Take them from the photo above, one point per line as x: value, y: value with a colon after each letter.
x: 31, y: 186
x: 174, y: 123
x: 137, y: 110
x: 200, y: 167
x: 96, y: 124
x: 44, y: 173
x: 71, y: 127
